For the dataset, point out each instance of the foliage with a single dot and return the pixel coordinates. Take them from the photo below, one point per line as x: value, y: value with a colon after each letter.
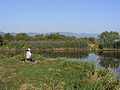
x: 22, y: 36
x: 16, y: 44
x: 1, y: 40
x: 8, y: 37
x: 107, y: 39
x: 40, y: 37
x: 56, y: 40
x: 55, y: 36
x: 54, y: 75
x: 111, y: 44
x: 89, y: 39
x: 108, y: 36
x: 100, y: 46
x: 47, y: 44
x: 117, y: 44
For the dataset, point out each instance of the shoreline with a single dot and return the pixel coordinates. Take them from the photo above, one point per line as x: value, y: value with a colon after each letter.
x: 65, y: 49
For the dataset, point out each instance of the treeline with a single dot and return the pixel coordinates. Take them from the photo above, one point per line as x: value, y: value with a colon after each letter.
x: 55, y: 40
x: 53, y: 36
x: 50, y: 41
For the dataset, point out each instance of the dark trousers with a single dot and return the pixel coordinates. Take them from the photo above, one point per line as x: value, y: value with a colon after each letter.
x: 28, y: 59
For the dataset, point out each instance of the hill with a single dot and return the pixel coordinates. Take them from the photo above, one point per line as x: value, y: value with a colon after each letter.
x: 78, y: 35
x: 1, y: 32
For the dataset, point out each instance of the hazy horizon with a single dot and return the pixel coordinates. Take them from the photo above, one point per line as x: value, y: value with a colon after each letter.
x: 76, y: 16
x: 55, y: 32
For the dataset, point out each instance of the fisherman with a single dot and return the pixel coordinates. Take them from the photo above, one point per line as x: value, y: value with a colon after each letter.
x: 28, y: 54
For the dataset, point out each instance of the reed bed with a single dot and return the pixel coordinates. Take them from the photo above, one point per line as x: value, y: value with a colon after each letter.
x: 47, y: 44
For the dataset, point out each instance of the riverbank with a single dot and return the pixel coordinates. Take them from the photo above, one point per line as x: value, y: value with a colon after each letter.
x: 54, y: 75
x: 64, y: 49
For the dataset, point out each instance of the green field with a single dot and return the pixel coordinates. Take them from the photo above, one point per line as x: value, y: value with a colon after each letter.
x: 53, y: 75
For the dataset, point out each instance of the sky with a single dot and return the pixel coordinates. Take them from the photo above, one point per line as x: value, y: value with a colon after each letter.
x: 77, y: 16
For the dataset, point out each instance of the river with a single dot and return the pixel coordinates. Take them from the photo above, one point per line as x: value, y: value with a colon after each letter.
x: 102, y: 59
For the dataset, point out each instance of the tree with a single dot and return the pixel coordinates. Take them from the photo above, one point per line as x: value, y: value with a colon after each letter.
x: 114, y: 36
x: 22, y: 36
x: 104, y: 36
x: 8, y: 36
x: 55, y: 36
x: 108, y: 36
x: 40, y: 37
x: 107, y: 39
x: 1, y: 40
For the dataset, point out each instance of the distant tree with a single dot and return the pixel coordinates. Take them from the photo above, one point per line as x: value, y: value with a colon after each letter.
x: 1, y: 40
x: 40, y: 37
x: 104, y: 36
x: 107, y: 39
x: 22, y: 36
x: 55, y: 36
x: 114, y: 36
x: 8, y: 37
x: 108, y: 36
x: 70, y: 38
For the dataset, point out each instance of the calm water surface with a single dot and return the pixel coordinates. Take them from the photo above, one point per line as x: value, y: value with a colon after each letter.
x: 103, y: 60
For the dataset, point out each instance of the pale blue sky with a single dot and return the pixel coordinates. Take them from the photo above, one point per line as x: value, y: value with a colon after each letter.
x: 78, y: 16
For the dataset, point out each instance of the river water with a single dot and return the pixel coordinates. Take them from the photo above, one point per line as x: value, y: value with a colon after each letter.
x: 105, y: 60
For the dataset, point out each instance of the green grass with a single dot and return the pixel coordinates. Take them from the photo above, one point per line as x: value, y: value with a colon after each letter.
x: 54, y: 75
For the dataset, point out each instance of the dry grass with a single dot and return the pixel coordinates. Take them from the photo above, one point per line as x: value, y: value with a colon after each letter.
x: 27, y: 87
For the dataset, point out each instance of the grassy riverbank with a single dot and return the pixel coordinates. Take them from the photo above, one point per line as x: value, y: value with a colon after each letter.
x: 53, y: 75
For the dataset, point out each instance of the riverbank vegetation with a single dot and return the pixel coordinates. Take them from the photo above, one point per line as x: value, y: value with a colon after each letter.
x: 54, y: 75
x: 106, y: 41
x: 109, y: 40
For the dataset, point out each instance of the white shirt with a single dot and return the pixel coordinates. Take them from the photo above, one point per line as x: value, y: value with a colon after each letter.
x: 28, y: 54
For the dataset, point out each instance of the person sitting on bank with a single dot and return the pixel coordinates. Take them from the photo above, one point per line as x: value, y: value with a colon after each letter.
x: 28, y: 55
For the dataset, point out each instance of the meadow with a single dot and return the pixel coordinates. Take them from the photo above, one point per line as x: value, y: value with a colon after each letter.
x: 53, y: 75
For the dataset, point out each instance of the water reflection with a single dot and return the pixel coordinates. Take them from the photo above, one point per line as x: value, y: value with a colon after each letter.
x: 106, y: 54
x: 109, y: 59
x: 69, y: 55
x: 109, y: 63
x: 106, y: 59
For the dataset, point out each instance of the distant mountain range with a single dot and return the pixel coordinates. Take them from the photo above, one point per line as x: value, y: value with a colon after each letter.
x: 78, y: 35
x: 1, y: 32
